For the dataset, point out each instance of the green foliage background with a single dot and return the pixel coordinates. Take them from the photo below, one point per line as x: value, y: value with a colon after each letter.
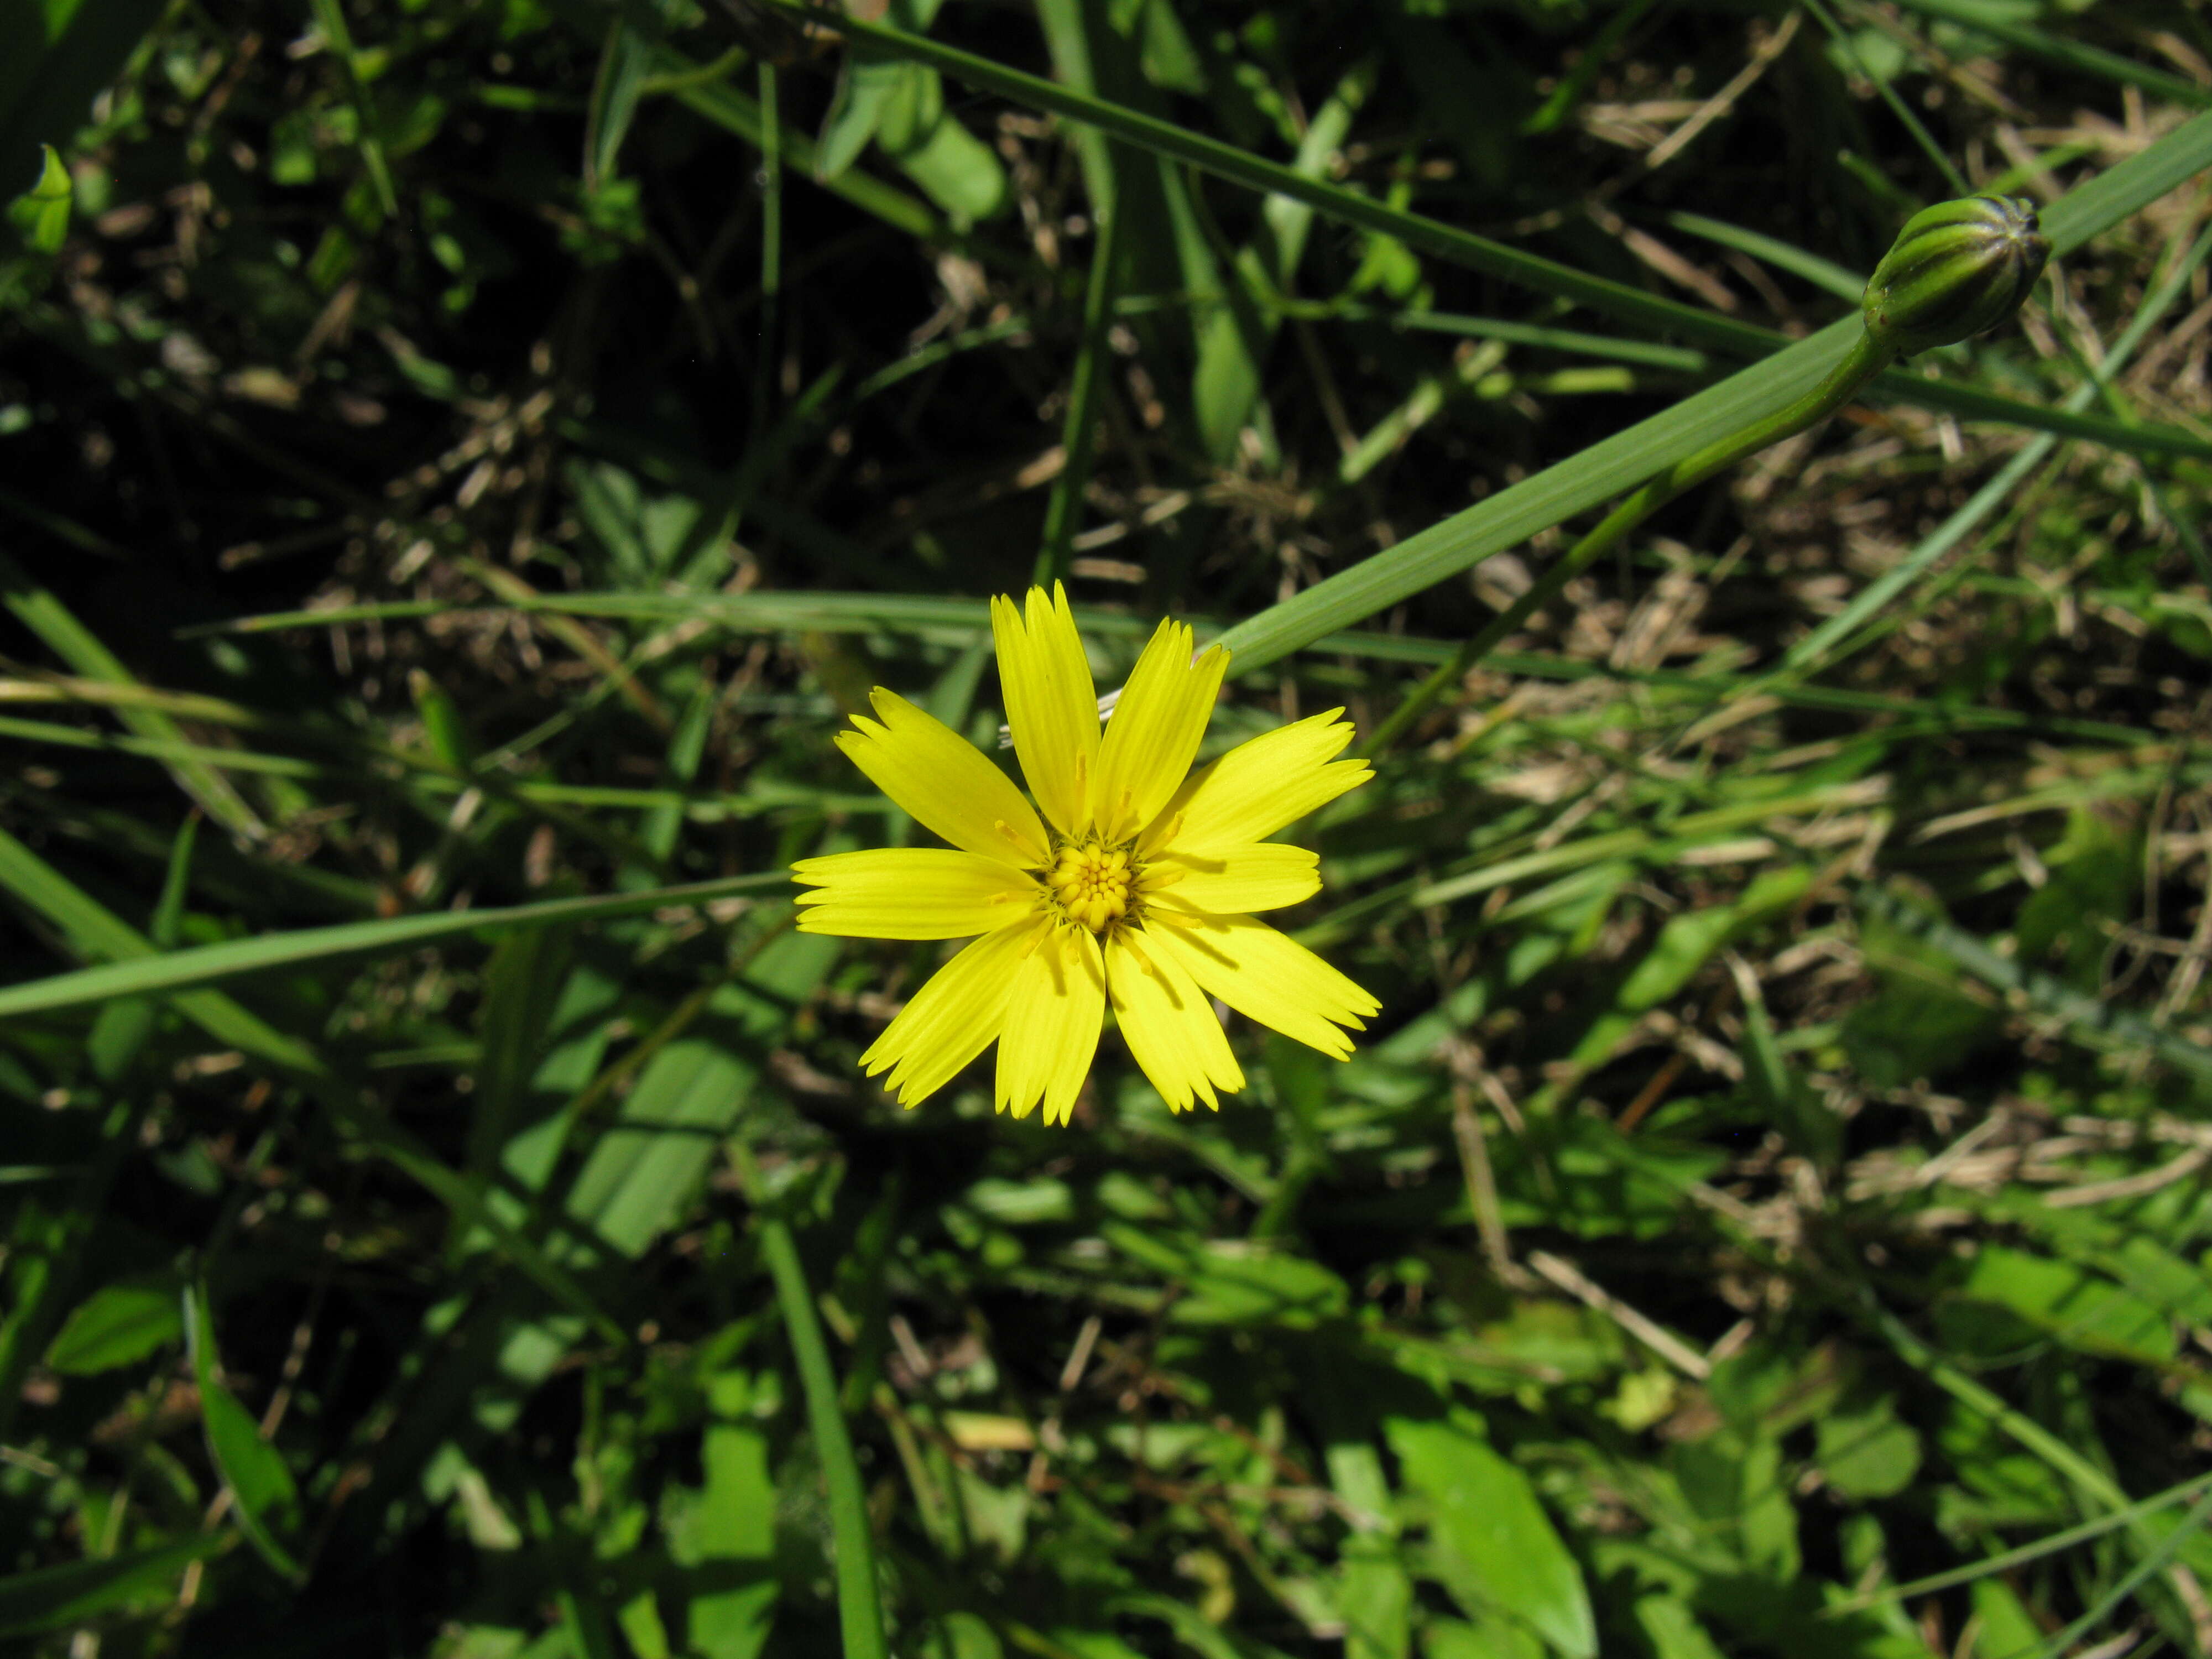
x: 460, y: 458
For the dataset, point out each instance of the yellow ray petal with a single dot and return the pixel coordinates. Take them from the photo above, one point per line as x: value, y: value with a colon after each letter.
x: 952, y: 1020
x: 912, y: 892
x: 944, y: 779
x: 1052, y: 1022
x: 1051, y: 703
x: 1265, y: 976
x: 1264, y: 876
x: 1155, y: 731
x: 1168, y: 1024
x: 1259, y: 786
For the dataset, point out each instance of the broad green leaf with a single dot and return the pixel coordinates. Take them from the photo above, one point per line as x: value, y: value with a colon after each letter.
x: 2096, y: 876
x: 1734, y: 1481
x: 726, y: 1531
x: 1920, y: 1022
x: 1021, y: 1203
x: 117, y: 1325
x: 863, y: 85
x: 2128, y: 1246
x: 646, y: 1167
x: 2082, y: 1309
x: 2006, y: 1629
x: 736, y: 112
x: 523, y: 984
x: 443, y: 724
x: 1673, y: 1629
x: 1258, y: 1288
x: 966, y: 1636
x: 41, y: 214
x: 1688, y: 941
x: 2092, y: 1020
x: 954, y: 168
x: 1496, y: 1550
x: 1865, y: 1452
x: 1455, y: 1639
x: 263, y: 1496
x: 1374, y: 1598
x: 55, y: 60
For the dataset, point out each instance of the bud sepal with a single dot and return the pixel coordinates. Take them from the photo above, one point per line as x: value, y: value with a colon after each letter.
x: 1955, y: 270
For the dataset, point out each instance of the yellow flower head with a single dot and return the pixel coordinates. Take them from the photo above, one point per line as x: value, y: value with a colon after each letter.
x: 1134, y: 888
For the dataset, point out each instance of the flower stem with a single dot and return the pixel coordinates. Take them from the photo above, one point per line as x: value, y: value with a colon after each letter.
x: 1867, y: 360
x: 860, y: 1614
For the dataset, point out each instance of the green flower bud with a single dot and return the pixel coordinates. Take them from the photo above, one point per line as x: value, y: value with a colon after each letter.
x: 1956, y: 269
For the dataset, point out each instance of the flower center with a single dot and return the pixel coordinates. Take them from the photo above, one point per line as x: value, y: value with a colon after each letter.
x: 1092, y: 884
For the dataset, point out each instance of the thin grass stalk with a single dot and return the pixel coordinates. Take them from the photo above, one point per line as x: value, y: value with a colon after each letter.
x: 859, y: 1612
x: 1842, y: 40
x: 1866, y: 360
x: 1819, y: 648
x: 1064, y: 511
x: 771, y: 205
x: 2006, y: 1560
x: 2151, y: 1563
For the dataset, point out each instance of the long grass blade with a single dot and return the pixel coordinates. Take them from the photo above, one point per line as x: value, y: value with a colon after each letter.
x: 859, y: 1609
x: 212, y: 964
x: 1611, y: 466
x: 2075, y: 55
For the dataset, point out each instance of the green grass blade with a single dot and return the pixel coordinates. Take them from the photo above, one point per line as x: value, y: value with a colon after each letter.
x: 2153, y: 1562
x: 1616, y: 463
x: 2129, y: 186
x: 2069, y: 54
x: 79, y: 1592
x: 1609, y: 347
x: 2088, y: 1020
x: 94, y: 930
x: 1241, y: 166
x: 77, y: 645
x: 1825, y: 273
x: 211, y: 965
x: 1818, y: 646
x: 2069, y: 222
x: 2007, y: 1560
x: 734, y: 111
x: 2066, y: 420
x: 1063, y: 512
x: 859, y: 1612
x: 330, y: 18
x: 264, y: 1497
x: 1604, y: 470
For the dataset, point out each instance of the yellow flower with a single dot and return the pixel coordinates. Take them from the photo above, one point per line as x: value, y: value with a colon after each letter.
x: 1133, y: 889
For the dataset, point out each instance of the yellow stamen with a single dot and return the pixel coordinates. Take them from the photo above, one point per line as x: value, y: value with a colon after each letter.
x: 1093, y: 885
